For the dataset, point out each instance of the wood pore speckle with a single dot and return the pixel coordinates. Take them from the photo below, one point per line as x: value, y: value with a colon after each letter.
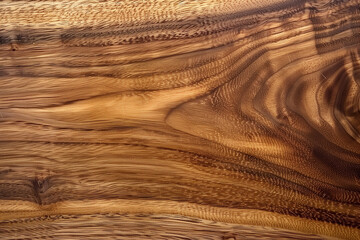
x: 180, y: 119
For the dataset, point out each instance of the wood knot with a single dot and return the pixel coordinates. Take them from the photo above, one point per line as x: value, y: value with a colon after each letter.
x: 14, y: 47
x: 41, y: 184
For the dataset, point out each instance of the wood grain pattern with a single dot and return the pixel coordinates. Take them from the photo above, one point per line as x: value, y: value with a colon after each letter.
x: 180, y: 119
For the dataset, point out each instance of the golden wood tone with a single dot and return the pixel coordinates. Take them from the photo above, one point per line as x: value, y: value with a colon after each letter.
x: 180, y: 119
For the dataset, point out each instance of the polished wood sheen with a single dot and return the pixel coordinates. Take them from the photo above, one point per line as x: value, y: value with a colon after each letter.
x: 180, y: 119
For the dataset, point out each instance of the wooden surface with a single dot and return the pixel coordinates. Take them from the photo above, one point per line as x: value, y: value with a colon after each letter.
x: 180, y: 119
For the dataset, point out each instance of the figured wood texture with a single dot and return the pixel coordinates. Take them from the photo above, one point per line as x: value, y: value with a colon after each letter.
x: 180, y: 119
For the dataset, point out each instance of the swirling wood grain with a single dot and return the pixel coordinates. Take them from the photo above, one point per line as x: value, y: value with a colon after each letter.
x: 180, y: 119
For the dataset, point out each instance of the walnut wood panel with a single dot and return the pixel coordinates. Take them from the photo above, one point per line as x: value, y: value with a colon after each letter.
x: 180, y: 119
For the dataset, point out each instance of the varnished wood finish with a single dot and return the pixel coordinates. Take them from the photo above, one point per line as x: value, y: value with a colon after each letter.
x: 180, y: 119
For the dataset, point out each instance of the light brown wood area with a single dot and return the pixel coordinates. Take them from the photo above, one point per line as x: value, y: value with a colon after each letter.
x: 180, y: 119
